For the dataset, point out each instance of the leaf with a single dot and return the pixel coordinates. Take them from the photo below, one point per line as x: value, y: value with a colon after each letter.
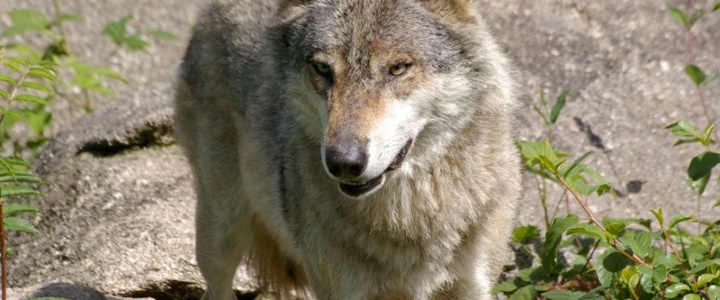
x: 22, y: 61
x: 534, y: 151
x: 668, y: 261
x: 17, y: 190
x: 40, y: 72
x: 13, y: 65
x: 707, y: 137
x: 614, y: 227
x: 162, y: 34
x: 4, y: 94
x: 10, y: 209
x: 656, y: 276
x: 532, y: 274
x: 524, y: 234
x: 700, y: 185
x: 695, y: 74
x: 603, y: 189
x: 692, y: 297
x: 19, y: 224
x: 614, y: 261
x: 17, y: 178
x: 553, y: 237
x: 117, y: 30
x: 714, y: 290
x: 643, y: 222
x: 702, y: 165
x: 7, y: 79
x: 135, y: 43
x: 589, y: 229
x: 24, y: 20
x: 38, y: 119
x: 524, y: 293
x: 717, y: 203
x: 704, y: 265
x: 31, y: 99
x: 604, y: 275
x: 505, y: 286
x: 36, y: 86
x: 716, y: 7
x: 581, y: 186
x: 696, y: 17
x: 70, y: 17
x: 679, y: 17
x: 639, y: 243
x: 705, y: 279
x: 675, y: 290
x: 630, y: 276
x: 564, y: 295
x: 109, y: 74
x: 677, y: 219
x: 559, y: 104
x: 683, y: 129
x: 643, y: 241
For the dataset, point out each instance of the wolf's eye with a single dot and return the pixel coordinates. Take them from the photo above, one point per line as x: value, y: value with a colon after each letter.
x: 322, y: 69
x: 399, y: 69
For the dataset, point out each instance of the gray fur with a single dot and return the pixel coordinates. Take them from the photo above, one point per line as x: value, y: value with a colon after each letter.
x: 255, y: 121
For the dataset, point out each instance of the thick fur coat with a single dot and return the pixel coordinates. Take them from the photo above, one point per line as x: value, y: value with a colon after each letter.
x: 350, y: 149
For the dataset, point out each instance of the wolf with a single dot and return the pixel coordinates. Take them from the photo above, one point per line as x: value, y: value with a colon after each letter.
x: 350, y: 149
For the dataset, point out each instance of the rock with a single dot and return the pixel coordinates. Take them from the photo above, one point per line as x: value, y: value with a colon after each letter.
x: 117, y: 209
x: 63, y: 290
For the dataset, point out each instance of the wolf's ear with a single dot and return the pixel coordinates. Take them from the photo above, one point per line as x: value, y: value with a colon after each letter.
x: 457, y: 10
x: 290, y: 3
x: 290, y: 10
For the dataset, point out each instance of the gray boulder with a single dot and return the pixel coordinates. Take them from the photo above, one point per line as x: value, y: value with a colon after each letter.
x: 117, y: 209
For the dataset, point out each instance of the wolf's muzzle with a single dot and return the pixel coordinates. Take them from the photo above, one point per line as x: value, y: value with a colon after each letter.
x: 346, y: 163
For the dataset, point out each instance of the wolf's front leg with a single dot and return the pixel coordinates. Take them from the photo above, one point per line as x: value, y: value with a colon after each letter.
x: 219, y: 250
x: 480, y: 260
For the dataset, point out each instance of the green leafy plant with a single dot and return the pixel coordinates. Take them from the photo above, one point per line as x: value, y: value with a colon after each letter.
x: 24, y: 86
x: 601, y: 258
x: 117, y: 31
x: 29, y: 81
x: 612, y: 258
x: 88, y: 79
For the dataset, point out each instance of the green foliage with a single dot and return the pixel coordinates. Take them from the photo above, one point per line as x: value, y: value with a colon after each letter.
x: 118, y: 33
x: 615, y: 258
x: 549, y: 114
x: 25, y: 94
x: 28, y: 83
x: 619, y: 258
x: 89, y: 80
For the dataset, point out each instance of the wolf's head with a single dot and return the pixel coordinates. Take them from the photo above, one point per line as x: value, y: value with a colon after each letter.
x: 385, y: 84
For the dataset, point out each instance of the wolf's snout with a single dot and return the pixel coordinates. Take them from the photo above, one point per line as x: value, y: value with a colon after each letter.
x: 346, y: 162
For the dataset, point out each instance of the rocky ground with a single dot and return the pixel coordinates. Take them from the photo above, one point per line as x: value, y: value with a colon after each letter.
x: 118, y: 204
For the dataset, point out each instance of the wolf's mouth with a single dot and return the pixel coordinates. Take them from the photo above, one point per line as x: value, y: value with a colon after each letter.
x: 361, y: 188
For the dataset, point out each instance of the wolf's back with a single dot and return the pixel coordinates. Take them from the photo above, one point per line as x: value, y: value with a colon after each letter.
x: 225, y: 49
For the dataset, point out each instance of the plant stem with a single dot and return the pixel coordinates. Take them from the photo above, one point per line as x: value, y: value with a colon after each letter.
x: 63, y: 44
x: 4, y: 252
x: 617, y: 245
x: 589, y: 257
x: 13, y: 91
x: 670, y: 243
x: 692, y: 58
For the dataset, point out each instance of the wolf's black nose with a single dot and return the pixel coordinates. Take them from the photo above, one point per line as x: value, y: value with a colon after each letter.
x: 346, y: 163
